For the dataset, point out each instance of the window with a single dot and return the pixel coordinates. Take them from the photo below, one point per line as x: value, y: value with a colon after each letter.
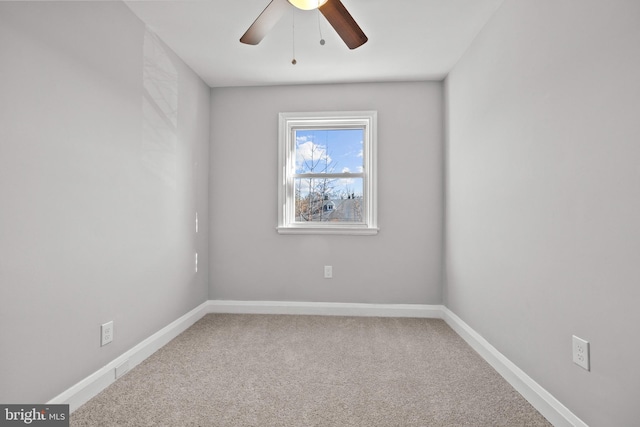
x: 327, y: 181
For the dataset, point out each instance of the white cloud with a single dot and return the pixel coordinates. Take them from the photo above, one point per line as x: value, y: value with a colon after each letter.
x: 309, y: 154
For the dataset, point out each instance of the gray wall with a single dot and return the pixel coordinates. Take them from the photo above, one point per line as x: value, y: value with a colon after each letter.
x: 250, y: 261
x: 102, y: 166
x: 543, y: 211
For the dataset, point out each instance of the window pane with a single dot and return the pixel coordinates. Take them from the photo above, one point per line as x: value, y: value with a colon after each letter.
x: 329, y: 150
x: 328, y: 200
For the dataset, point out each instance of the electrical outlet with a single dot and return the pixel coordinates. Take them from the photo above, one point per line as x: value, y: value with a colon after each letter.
x: 328, y: 272
x: 106, y: 333
x: 581, y: 353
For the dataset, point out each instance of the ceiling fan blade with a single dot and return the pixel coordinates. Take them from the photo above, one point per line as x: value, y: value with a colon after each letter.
x: 263, y: 23
x: 344, y: 24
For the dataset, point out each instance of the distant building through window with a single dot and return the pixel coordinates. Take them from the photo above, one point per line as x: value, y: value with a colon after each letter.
x: 327, y: 173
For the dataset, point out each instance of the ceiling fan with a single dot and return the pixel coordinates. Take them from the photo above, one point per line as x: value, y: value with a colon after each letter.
x: 335, y: 12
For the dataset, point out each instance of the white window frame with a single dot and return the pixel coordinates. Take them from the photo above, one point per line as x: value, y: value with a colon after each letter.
x: 288, y: 124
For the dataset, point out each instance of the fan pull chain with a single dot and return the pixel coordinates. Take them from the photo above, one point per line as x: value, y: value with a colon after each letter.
x: 293, y: 35
x: 320, y: 29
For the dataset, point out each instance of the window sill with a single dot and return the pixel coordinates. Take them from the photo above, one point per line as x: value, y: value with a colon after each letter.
x: 348, y: 230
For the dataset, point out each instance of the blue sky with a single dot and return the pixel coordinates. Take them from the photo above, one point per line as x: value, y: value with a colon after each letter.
x: 339, y: 150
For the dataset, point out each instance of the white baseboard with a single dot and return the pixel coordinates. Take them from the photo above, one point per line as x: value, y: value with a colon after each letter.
x: 554, y: 411
x: 89, y: 387
x: 325, y: 308
x: 538, y: 397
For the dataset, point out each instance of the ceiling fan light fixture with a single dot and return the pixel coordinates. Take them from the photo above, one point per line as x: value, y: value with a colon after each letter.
x: 307, y: 4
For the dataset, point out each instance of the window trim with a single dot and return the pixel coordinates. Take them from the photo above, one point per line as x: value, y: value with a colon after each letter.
x: 288, y: 123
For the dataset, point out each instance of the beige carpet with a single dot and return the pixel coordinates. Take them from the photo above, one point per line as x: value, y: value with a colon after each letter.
x: 272, y: 370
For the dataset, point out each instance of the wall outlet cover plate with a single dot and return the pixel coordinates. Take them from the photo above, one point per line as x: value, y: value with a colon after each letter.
x: 106, y: 333
x: 581, y: 353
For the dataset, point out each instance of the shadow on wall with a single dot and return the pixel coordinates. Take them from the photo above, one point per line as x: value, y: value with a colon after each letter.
x: 160, y: 111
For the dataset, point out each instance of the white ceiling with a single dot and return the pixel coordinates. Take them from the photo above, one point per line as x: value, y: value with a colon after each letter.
x: 408, y: 40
